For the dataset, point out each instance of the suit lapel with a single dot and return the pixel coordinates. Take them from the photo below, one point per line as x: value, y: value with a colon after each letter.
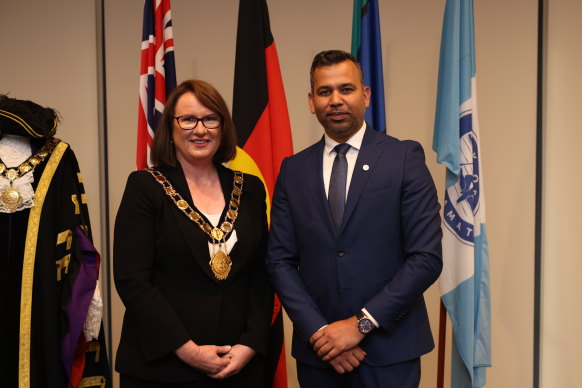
x: 367, y: 156
x: 195, y: 238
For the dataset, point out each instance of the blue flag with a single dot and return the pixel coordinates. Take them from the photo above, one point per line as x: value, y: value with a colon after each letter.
x: 465, y: 278
x: 367, y: 48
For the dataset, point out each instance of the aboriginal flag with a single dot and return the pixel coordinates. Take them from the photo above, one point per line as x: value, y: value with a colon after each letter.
x: 264, y: 133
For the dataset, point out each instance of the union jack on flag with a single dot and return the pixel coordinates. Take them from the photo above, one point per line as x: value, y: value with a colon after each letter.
x: 157, y: 76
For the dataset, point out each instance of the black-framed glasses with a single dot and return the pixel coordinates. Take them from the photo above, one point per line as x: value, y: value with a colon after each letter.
x: 189, y: 122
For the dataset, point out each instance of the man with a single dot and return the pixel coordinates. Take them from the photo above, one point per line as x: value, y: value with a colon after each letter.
x: 355, y: 241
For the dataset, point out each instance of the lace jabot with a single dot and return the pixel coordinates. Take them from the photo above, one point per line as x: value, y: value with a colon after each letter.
x: 13, y: 151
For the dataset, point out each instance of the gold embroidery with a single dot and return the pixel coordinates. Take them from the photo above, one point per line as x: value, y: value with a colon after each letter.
x: 94, y: 346
x: 83, y: 198
x: 85, y: 229
x: 93, y: 381
x: 28, y: 264
x: 63, y: 263
x: 66, y: 236
x: 75, y: 201
x: 79, y: 177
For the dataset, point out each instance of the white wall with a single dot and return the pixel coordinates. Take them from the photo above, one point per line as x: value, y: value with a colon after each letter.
x: 561, y: 287
x: 506, y: 34
x: 49, y: 57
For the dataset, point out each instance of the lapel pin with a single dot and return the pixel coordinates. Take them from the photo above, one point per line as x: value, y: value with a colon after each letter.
x: 365, y: 167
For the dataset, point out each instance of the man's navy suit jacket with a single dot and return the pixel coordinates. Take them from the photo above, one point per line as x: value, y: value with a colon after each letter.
x: 385, y: 255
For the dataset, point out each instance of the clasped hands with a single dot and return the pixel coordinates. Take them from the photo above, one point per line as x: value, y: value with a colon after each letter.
x: 338, y: 345
x: 218, y: 362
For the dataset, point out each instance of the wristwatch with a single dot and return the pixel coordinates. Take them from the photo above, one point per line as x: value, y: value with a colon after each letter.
x: 365, y: 325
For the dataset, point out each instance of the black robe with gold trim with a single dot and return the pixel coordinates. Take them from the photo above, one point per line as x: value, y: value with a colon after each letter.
x: 39, y: 262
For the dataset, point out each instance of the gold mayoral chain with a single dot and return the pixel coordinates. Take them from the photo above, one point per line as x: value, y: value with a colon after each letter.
x: 11, y: 197
x: 220, y: 262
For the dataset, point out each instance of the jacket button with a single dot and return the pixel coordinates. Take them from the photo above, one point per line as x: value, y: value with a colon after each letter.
x: 341, y: 252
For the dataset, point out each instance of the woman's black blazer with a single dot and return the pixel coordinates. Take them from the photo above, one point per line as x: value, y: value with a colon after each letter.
x: 162, y: 274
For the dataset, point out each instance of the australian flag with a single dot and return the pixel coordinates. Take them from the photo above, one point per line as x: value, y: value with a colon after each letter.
x: 464, y: 281
x: 157, y: 76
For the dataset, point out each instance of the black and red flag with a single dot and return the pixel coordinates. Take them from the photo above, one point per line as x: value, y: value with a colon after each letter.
x: 264, y: 133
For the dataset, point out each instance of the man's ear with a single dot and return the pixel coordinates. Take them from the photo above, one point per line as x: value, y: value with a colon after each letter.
x: 310, y: 102
x: 367, y: 93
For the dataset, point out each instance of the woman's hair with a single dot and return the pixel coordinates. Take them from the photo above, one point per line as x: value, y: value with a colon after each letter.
x: 163, y: 152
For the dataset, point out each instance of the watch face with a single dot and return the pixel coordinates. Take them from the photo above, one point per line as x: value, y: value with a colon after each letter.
x: 365, y: 325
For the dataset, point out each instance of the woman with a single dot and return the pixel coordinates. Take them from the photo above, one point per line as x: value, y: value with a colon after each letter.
x: 189, y: 247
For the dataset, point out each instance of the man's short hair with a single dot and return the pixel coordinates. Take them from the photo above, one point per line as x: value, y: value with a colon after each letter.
x: 332, y: 57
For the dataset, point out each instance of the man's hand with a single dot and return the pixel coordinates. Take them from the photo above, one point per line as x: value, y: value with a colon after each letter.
x: 348, y: 360
x: 239, y: 356
x: 336, y: 338
x: 206, y: 359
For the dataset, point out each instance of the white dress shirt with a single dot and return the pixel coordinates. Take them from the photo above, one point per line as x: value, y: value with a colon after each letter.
x: 232, y: 238
x: 355, y: 143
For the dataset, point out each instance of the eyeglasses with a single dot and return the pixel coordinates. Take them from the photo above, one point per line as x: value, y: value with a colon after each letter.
x: 189, y: 122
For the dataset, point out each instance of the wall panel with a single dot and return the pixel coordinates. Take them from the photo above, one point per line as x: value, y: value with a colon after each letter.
x: 561, y: 266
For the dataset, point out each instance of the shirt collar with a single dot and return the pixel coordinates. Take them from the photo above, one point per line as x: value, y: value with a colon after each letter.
x: 355, y: 141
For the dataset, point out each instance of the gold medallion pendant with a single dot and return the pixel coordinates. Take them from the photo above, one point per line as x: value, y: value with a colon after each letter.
x: 220, y: 264
x: 11, y: 198
x: 217, y: 234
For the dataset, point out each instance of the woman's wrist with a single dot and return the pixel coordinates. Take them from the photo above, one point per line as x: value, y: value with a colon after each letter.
x: 189, y: 351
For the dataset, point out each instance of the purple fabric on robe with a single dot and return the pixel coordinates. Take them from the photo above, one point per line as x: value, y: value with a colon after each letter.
x: 81, y: 294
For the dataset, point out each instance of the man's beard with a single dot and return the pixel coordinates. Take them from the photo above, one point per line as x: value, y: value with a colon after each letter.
x: 346, y: 126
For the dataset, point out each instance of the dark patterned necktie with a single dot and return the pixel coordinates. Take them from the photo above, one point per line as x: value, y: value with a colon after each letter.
x: 337, y: 184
